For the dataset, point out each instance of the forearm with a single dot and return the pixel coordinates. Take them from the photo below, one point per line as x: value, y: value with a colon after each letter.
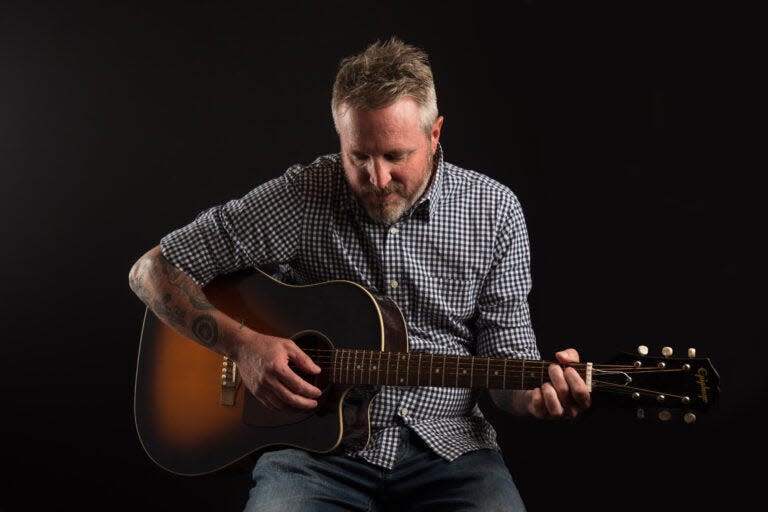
x: 179, y: 302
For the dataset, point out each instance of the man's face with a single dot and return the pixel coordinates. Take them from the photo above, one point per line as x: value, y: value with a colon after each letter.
x: 387, y: 157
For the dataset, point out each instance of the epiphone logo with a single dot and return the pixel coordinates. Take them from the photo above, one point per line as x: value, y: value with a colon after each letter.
x: 701, y: 380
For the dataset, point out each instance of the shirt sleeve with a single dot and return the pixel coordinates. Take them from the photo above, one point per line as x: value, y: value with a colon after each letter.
x: 262, y: 227
x: 504, y: 327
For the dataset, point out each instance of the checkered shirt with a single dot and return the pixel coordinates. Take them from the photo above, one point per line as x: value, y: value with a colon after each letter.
x: 457, y: 263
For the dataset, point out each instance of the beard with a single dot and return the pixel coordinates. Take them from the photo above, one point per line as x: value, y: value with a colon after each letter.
x: 387, y: 205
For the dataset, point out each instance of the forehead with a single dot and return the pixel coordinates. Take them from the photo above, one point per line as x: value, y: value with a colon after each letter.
x: 396, y: 125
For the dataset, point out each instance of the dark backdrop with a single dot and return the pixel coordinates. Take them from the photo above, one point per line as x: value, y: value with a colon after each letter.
x: 625, y: 132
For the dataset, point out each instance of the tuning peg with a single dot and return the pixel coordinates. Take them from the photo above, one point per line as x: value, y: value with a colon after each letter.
x: 666, y: 351
x: 640, y: 413
x: 642, y: 350
x: 691, y: 352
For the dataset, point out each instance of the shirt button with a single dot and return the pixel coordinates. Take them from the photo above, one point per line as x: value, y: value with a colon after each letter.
x: 393, y: 230
x: 393, y: 283
x: 404, y: 411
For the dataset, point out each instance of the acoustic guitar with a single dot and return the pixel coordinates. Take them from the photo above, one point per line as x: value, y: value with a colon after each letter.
x: 193, y: 415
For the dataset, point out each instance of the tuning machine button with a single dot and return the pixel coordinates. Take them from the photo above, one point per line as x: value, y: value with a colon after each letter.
x: 642, y: 350
x: 691, y: 352
x: 689, y: 417
x: 665, y: 415
x: 666, y: 351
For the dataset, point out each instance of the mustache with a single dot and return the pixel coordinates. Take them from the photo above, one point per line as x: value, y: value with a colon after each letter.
x: 392, y: 187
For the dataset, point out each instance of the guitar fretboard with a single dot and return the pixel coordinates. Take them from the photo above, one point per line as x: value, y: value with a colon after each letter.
x: 368, y: 367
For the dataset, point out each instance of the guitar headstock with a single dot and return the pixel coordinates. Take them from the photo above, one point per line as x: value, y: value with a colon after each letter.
x: 666, y: 385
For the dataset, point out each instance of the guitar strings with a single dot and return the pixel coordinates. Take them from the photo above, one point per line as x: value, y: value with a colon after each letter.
x: 452, y: 370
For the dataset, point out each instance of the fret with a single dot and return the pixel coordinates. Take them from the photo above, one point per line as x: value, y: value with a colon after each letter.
x: 487, y: 372
x: 389, y: 366
x: 522, y: 376
x: 378, y: 369
x: 370, y: 367
x: 541, y: 367
x: 349, y: 378
x: 458, y: 358
x: 361, y: 366
x: 418, y: 370
x: 504, y: 375
x: 445, y: 356
x: 333, y: 366
x: 355, y: 367
x: 408, y: 368
x: 472, y: 372
x: 337, y: 363
x: 431, y: 360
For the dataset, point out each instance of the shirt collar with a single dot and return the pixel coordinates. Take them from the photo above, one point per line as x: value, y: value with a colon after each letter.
x: 425, y: 207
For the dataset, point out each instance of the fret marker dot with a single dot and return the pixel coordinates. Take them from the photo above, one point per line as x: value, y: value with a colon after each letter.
x: 464, y: 372
x: 437, y: 370
x: 373, y: 367
x: 496, y: 373
x: 401, y: 380
x: 358, y: 367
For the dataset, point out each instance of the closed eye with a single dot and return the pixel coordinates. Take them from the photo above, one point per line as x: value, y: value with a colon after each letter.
x: 395, y: 157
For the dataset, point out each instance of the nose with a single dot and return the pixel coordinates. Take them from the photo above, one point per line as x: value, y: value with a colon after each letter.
x: 379, y: 173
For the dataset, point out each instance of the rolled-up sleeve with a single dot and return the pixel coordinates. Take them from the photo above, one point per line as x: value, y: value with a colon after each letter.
x: 260, y: 228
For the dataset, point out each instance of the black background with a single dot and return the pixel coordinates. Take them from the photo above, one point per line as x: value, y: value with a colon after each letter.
x: 629, y: 135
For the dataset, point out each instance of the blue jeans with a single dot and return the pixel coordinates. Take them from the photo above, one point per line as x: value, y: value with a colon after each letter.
x: 292, y: 480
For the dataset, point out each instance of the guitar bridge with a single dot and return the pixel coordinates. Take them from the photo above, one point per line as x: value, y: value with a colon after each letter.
x: 230, y: 379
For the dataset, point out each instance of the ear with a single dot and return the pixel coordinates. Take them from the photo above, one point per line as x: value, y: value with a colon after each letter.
x: 435, y: 135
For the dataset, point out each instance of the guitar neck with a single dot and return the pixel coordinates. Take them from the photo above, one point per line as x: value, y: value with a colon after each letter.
x: 377, y: 368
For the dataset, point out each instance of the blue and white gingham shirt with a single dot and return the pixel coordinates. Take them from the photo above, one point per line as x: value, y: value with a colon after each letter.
x: 457, y: 263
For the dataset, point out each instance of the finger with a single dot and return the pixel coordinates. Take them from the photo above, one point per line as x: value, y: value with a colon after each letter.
x: 579, y: 394
x: 552, y: 402
x: 558, y: 383
x: 287, y: 396
x: 303, y: 361
x: 295, y: 384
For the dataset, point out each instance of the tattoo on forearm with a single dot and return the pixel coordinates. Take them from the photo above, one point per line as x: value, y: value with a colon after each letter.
x: 178, y: 303
x: 206, y: 330
x: 167, y: 310
x: 197, y: 299
x: 181, y: 281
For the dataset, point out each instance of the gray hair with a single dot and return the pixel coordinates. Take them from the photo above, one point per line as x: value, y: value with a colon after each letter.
x: 381, y: 75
